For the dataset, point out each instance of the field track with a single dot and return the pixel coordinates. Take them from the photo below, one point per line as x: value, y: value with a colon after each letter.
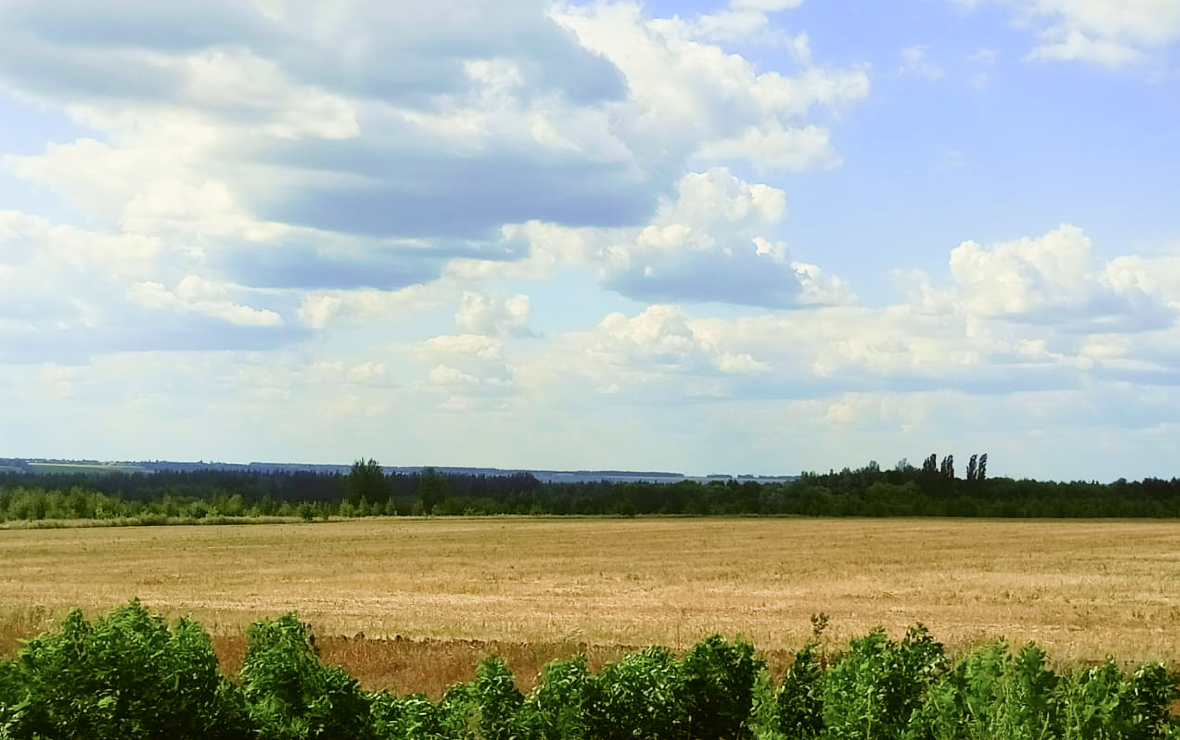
x: 1082, y: 589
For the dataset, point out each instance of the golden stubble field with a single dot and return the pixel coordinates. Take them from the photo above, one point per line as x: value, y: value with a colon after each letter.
x: 1082, y: 589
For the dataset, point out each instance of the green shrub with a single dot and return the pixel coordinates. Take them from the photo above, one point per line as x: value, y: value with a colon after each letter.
x: 1102, y: 704
x: 718, y: 688
x: 799, y: 702
x: 873, y: 690
x: 1027, y: 700
x: 961, y: 704
x: 10, y: 691
x: 555, y: 710
x: 410, y: 717
x: 487, y: 707
x: 291, y: 695
x: 127, y: 676
x: 637, y: 698
x: 133, y: 677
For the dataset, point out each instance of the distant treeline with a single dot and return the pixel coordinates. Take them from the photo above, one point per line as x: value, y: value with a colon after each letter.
x: 905, y: 490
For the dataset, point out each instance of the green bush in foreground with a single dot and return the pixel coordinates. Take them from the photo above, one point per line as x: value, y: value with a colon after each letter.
x: 130, y: 676
x: 291, y: 694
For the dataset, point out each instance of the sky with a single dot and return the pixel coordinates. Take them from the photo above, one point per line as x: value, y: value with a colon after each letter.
x: 757, y: 237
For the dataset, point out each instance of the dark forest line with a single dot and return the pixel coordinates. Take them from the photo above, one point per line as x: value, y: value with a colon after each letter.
x: 933, y: 489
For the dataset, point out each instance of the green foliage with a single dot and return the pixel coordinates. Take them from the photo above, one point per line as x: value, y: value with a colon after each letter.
x: 992, y: 695
x: 875, y: 687
x: 113, y: 678
x: 799, y: 702
x: 487, y: 708
x: 172, y: 497
x: 11, y: 693
x: 366, y: 483
x: 718, y: 687
x: 636, y: 698
x: 411, y: 717
x: 1102, y: 704
x: 131, y: 675
x: 555, y: 709
x: 432, y: 491
x: 1027, y: 698
x: 293, y: 696
x: 960, y: 703
x: 706, y: 694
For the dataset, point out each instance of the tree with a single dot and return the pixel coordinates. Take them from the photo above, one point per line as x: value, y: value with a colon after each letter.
x: 948, y: 467
x: 972, y: 467
x: 981, y: 474
x: 930, y: 465
x: 432, y: 489
x: 366, y: 482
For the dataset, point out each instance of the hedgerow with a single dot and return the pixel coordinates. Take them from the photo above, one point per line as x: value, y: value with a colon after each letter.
x: 132, y: 675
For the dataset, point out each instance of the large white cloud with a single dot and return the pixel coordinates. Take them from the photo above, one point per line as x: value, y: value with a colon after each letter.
x: 342, y: 119
x: 1053, y: 279
x: 336, y: 156
x: 279, y: 114
x: 690, y: 97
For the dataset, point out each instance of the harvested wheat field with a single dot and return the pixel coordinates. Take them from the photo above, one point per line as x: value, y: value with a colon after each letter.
x: 546, y: 587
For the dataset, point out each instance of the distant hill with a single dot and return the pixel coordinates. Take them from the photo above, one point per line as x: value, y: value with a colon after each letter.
x: 49, y: 466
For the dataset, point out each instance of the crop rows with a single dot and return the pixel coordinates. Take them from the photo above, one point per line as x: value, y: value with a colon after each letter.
x: 131, y: 675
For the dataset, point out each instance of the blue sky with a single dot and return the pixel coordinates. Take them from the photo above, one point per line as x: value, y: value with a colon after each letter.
x: 755, y: 237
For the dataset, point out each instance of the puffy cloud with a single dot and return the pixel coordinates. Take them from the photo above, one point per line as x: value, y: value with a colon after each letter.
x: 1107, y: 32
x: 742, y: 20
x: 364, y: 48
x: 1052, y: 279
x: 469, y: 370
x: 317, y: 311
x: 475, y: 345
x: 70, y: 292
x: 660, y: 333
x: 32, y: 241
x: 1110, y: 33
x: 711, y: 241
x: 482, y: 314
x: 1158, y: 277
x: 204, y: 297
x: 288, y: 117
x: 274, y: 145
x: 656, y: 355
x: 740, y: 364
x: 321, y: 309
x: 445, y: 376
x: 1032, y: 314
x: 708, y: 245
x: 689, y: 96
